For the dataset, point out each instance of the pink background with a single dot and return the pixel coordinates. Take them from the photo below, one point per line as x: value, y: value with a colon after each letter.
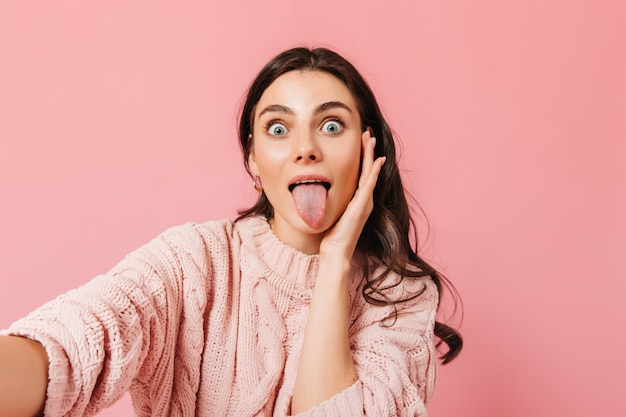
x: 117, y: 120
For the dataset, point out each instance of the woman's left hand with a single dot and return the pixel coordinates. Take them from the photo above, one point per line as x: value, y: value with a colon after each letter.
x: 326, y: 366
x: 342, y: 238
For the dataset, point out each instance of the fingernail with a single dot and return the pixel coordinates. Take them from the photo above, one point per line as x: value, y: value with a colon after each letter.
x: 373, y: 141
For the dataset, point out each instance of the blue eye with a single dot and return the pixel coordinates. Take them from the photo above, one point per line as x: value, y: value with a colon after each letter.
x: 332, y: 126
x: 277, y: 129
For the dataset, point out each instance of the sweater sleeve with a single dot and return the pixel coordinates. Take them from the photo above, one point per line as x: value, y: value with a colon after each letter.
x: 119, y: 329
x: 395, y: 359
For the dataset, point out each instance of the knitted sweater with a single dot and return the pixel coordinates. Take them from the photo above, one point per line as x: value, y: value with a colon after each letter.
x: 208, y: 320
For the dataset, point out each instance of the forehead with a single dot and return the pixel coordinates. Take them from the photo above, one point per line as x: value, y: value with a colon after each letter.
x: 303, y: 90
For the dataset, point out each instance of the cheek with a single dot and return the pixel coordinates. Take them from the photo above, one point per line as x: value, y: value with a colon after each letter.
x: 269, y: 163
x: 268, y: 158
x: 355, y: 166
x: 350, y: 170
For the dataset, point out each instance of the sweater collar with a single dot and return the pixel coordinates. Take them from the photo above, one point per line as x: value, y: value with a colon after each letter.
x: 288, y: 263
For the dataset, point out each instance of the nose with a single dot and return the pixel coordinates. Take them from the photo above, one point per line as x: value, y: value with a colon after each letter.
x: 306, y: 148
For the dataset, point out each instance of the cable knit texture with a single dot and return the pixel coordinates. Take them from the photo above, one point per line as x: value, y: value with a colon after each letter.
x: 208, y: 320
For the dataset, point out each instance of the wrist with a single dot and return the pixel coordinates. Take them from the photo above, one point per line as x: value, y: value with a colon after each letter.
x: 333, y: 270
x: 334, y: 262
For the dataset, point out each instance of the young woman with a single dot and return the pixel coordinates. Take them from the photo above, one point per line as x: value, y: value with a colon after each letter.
x: 312, y: 302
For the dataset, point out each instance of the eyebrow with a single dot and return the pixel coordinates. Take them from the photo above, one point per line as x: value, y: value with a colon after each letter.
x: 331, y: 105
x: 276, y: 108
x: 279, y: 108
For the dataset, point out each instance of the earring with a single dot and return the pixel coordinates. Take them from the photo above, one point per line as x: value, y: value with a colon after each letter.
x: 257, y: 184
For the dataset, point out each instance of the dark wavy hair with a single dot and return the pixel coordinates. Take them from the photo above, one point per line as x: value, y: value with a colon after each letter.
x: 386, y: 237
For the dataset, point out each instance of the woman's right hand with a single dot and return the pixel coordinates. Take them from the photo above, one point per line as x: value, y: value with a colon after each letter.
x: 23, y: 377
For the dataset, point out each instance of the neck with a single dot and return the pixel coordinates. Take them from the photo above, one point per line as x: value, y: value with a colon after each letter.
x: 308, y: 243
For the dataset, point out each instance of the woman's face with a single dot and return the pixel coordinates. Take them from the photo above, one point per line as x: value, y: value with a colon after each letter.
x: 307, y: 152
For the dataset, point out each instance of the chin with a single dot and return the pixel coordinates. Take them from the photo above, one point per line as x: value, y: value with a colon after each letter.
x: 301, y: 226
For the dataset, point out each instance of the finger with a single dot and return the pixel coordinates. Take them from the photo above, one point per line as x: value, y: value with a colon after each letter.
x: 370, y: 181
x: 366, y: 187
x: 367, y: 151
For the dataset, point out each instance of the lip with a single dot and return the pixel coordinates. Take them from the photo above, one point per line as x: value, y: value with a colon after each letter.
x: 309, y: 177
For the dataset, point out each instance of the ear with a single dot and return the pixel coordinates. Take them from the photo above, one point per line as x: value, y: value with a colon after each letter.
x: 252, y: 166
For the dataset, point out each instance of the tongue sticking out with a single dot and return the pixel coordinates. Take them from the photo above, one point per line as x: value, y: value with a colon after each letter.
x: 310, y: 200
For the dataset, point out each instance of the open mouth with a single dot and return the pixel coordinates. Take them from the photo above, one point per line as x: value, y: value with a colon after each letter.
x: 320, y: 182
x: 309, y: 196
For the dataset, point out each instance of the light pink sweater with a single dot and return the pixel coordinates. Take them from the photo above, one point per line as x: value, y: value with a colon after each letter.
x: 208, y: 319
